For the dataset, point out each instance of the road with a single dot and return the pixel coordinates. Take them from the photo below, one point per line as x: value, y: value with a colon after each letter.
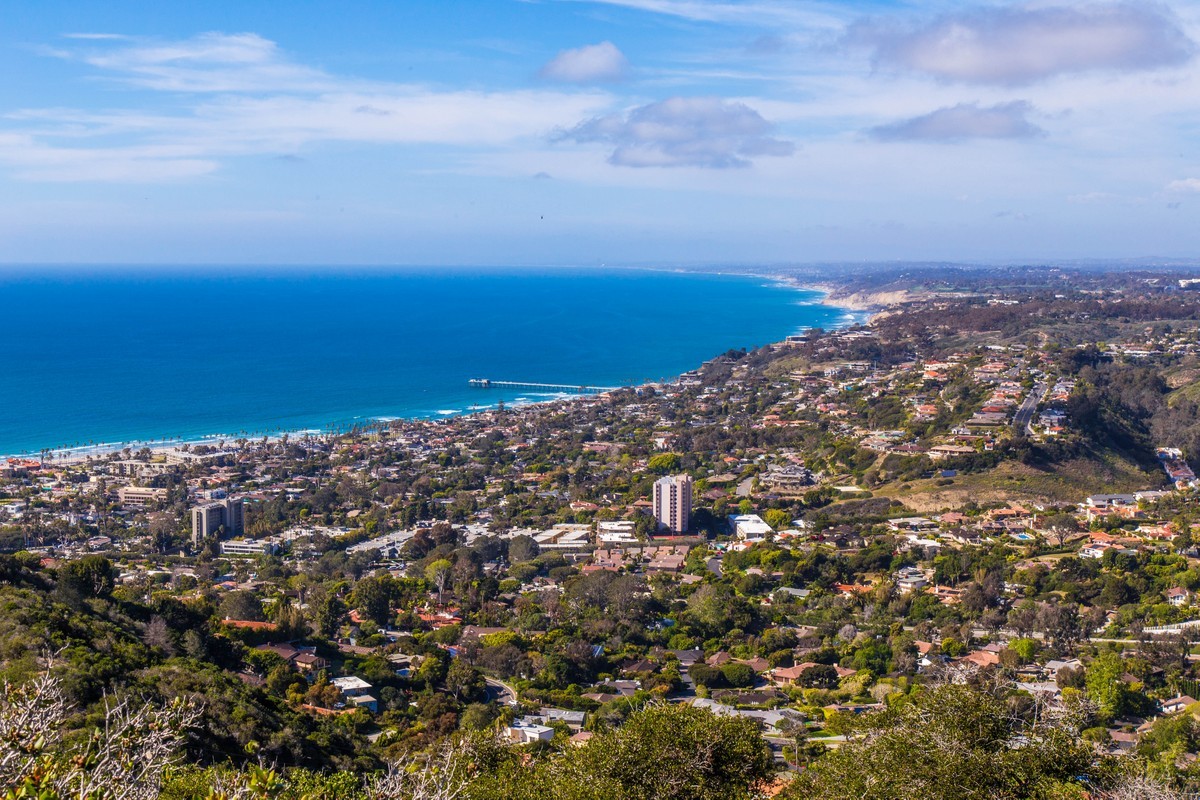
x: 498, y: 690
x: 1024, y: 416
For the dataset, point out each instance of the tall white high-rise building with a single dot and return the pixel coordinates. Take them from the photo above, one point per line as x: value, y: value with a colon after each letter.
x: 673, y: 502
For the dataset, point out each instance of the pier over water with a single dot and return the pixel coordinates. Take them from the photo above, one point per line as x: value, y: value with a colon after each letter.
x: 487, y: 383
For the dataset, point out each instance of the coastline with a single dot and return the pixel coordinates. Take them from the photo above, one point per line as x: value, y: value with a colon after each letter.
x: 855, y: 313
x: 870, y: 303
x: 867, y: 305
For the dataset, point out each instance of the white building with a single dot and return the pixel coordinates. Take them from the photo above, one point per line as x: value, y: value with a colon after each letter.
x: 357, y: 692
x: 564, y: 536
x: 673, y: 502
x: 1179, y: 596
x: 524, y: 731
x: 140, y: 495
x: 248, y: 547
x: 750, y: 527
x: 622, y: 531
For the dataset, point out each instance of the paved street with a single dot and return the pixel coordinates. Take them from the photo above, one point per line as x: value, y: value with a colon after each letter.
x: 1022, y: 421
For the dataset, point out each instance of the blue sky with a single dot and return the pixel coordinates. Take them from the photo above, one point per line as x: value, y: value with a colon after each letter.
x: 575, y: 132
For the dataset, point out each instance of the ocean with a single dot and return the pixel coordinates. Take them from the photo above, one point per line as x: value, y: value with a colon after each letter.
x: 124, y: 355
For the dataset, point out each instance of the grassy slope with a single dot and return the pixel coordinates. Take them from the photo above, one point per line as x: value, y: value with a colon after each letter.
x: 1011, y: 481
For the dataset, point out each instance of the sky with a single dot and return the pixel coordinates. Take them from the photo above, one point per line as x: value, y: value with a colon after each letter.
x: 578, y: 132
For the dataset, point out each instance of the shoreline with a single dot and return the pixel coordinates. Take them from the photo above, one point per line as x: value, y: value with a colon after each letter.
x: 855, y: 313
x: 830, y: 294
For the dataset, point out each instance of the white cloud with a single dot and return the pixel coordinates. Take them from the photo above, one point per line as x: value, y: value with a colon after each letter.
x: 35, y: 160
x: 1023, y: 44
x: 964, y: 121
x: 736, y: 13
x: 1184, y: 185
x: 209, y: 62
x: 684, y: 132
x: 253, y: 101
x: 96, y: 36
x: 593, y: 63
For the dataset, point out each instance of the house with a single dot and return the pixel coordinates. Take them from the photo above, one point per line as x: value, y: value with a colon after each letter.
x: 914, y: 524
x: 1122, y: 742
x: 572, y: 719
x: 285, y: 651
x: 310, y: 662
x: 981, y: 659
x: 1179, y: 596
x: 910, y: 579
x: 609, y: 560
x: 357, y: 692
x: 1054, y: 665
x: 1096, y: 551
x: 718, y: 658
x: 351, y: 686
x: 365, y: 701
x: 749, y: 527
x: 1177, y: 704
x: 787, y: 676
x: 642, y: 665
x: 524, y: 731
x: 688, y: 657
x: 758, y: 664
x: 667, y: 558
x: 1110, y: 500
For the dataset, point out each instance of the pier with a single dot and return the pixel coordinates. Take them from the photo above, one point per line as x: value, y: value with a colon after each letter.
x: 487, y: 383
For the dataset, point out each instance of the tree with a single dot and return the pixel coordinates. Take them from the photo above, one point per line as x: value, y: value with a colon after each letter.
x: 158, y: 635
x: 1025, y: 649
x: 715, y: 609
x: 328, y: 615
x: 738, y: 675
x: 464, y: 681
x: 663, y: 463
x: 437, y: 573
x: 1059, y: 526
x: 522, y: 548
x: 242, y: 605
x: 950, y: 743
x: 821, y: 676
x: 1104, y: 685
x: 1060, y: 622
x: 667, y: 752
x: 704, y: 675
x: 373, y: 597
x: 90, y: 576
x: 777, y: 518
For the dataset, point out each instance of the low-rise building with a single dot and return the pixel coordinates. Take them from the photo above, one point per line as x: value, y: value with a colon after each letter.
x: 141, y: 495
x: 749, y: 527
x: 612, y: 532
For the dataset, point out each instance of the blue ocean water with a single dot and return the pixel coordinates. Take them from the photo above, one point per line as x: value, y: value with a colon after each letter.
x: 123, y: 356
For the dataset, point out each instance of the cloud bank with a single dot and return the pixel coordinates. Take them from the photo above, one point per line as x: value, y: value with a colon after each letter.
x: 684, y: 132
x: 593, y: 63
x: 964, y: 121
x: 1024, y: 44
